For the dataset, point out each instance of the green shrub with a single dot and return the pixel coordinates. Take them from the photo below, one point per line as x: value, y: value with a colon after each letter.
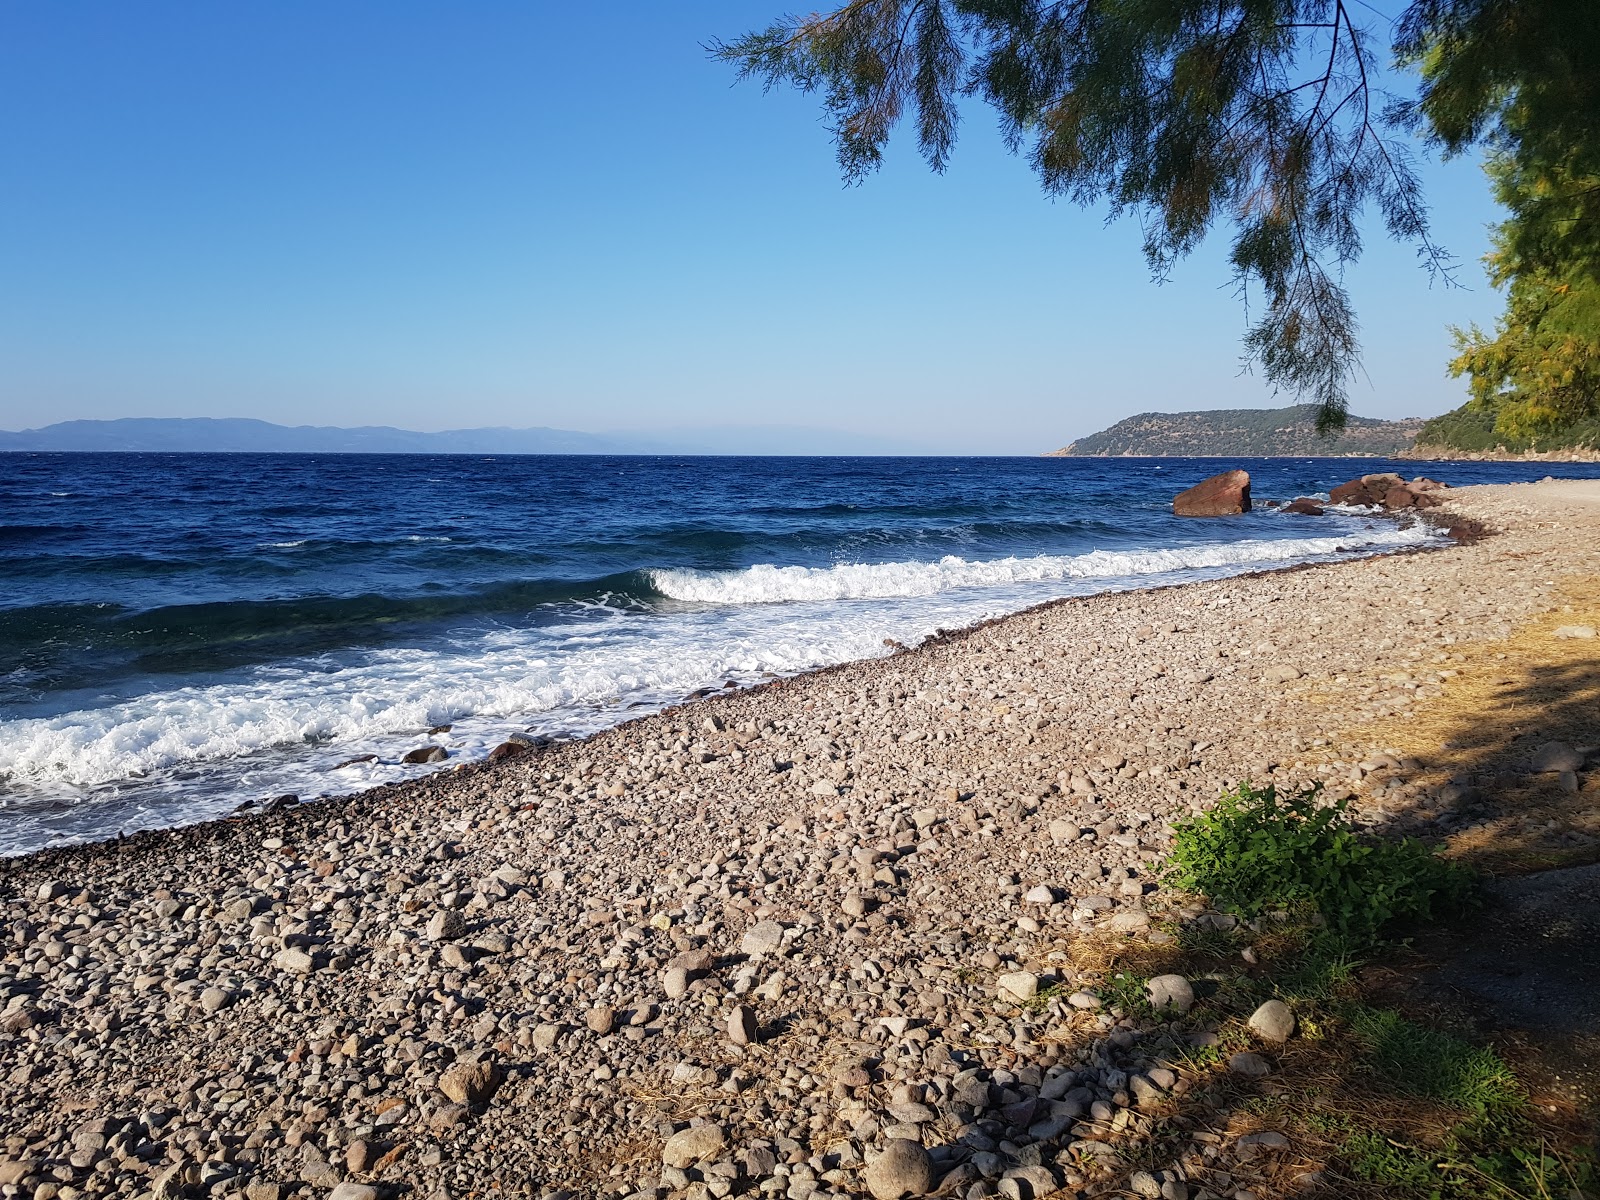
x: 1257, y: 852
x: 1433, y: 1064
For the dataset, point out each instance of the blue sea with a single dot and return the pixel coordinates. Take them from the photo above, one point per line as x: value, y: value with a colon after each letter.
x: 180, y: 634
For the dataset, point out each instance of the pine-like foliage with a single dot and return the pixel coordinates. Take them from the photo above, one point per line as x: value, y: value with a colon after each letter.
x: 1540, y: 372
x: 1261, y: 115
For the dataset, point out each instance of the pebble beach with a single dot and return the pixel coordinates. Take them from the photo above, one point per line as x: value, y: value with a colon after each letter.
x: 808, y: 939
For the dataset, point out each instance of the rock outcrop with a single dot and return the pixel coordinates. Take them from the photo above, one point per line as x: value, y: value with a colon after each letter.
x: 1222, y: 495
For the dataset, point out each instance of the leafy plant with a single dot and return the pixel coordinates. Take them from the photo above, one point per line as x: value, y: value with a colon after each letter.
x: 1434, y: 1064
x: 1258, y: 852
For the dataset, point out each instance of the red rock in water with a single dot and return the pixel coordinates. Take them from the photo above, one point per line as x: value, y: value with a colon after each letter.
x: 1354, y: 492
x: 1304, y: 507
x: 1220, y: 496
x: 507, y: 750
x: 1399, y: 497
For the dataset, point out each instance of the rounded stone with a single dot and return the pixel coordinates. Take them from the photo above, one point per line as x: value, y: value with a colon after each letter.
x: 903, y: 1169
x: 1273, y: 1021
x: 1171, y: 992
x: 692, y: 1145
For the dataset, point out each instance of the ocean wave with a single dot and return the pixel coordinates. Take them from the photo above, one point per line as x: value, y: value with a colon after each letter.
x: 771, y: 584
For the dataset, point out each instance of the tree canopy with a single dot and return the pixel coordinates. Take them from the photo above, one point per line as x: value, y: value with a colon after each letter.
x: 1263, y: 115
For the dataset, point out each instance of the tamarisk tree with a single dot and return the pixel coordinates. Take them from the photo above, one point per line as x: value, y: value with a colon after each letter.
x: 1267, y: 116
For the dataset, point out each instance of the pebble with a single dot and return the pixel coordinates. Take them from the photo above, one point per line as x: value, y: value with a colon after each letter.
x: 694, y: 1144
x: 1018, y: 986
x: 742, y: 1025
x: 470, y: 1083
x: 1170, y: 992
x: 1249, y: 1063
x: 902, y: 1169
x: 601, y: 1019
x: 1273, y: 1021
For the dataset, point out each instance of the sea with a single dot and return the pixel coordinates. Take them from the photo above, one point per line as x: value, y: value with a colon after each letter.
x: 181, y: 635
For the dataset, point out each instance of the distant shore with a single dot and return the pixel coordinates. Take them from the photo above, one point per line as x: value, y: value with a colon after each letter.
x: 749, y: 939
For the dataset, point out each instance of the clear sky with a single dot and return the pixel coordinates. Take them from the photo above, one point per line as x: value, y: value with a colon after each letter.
x: 440, y: 215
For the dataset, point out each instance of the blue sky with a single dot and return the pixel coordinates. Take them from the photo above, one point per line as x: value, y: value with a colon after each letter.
x: 447, y: 215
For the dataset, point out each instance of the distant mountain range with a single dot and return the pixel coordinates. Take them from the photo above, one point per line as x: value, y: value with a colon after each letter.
x: 1249, y: 432
x: 241, y: 435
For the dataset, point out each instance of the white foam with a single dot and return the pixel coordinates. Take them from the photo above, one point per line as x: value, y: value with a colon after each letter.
x: 186, y: 754
x: 768, y: 584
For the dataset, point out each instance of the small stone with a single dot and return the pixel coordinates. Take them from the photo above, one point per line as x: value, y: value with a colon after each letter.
x: 1130, y: 922
x: 854, y: 905
x: 692, y: 1145
x: 1267, y: 1139
x: 1019, y: 986
x: 446, y: 925
x: 1028, y: 1183
x: 354, y: 1191
x: 1145, y: 1184
x: 763, y: 938
x: 1575, y: 631
x: 1171, y: 992
x: 1250, y: 1064
x: 425, y: 754
x: 293, y: 960
x: 1555, y: 757
x: 361, y: 1155
x: 1273, y: 1021
x: 1041, y: 894
x: 675, y: 983
x: 1064, y: 831
x: 545, y: 1036
x: 903, y: 1169
x: 742, y: 1025
x: 213, y: 999
x: 601, y: 1019
x: 1145, y: 1092
x: 470, y: 1083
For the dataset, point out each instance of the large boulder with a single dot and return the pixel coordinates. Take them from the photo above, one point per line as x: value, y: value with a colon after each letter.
x: 1354, y: 492
x: 1220, y: 496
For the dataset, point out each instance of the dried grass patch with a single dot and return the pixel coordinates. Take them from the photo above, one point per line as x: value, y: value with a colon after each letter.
x: 1509, y: 697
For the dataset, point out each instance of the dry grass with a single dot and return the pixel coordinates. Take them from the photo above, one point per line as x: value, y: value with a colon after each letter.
x: 1509, y: 697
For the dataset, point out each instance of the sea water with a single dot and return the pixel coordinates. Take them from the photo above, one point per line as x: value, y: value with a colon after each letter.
x: 181, y: 634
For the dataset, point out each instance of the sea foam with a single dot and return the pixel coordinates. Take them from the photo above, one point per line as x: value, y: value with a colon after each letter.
x: 770, y: 584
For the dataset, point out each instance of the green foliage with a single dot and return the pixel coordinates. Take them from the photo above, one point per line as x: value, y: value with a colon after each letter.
x: 1375, y: 1158
x: 1540, y: 372
x: 1257, y: 852
x: 1128, y: 993
x: 1475, y: 429
x: 1434, y: 1064
x: 1255, y: 114
x: 1261, y: 115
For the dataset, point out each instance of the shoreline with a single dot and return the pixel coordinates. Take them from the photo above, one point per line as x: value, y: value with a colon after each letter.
x: 782, y: 911
x: 1459, y: 532
x: 317, y: 788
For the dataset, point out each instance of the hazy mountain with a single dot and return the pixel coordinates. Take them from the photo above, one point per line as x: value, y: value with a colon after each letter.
x: 1252, y: 432
x: 246, y: 436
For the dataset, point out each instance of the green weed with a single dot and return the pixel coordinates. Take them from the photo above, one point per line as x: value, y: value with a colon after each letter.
x: 1127, y: 993
x: 1258, y: 852
x: 1434, y: 1065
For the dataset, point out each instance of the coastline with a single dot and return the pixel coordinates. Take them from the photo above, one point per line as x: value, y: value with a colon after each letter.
x: 559, y: 927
